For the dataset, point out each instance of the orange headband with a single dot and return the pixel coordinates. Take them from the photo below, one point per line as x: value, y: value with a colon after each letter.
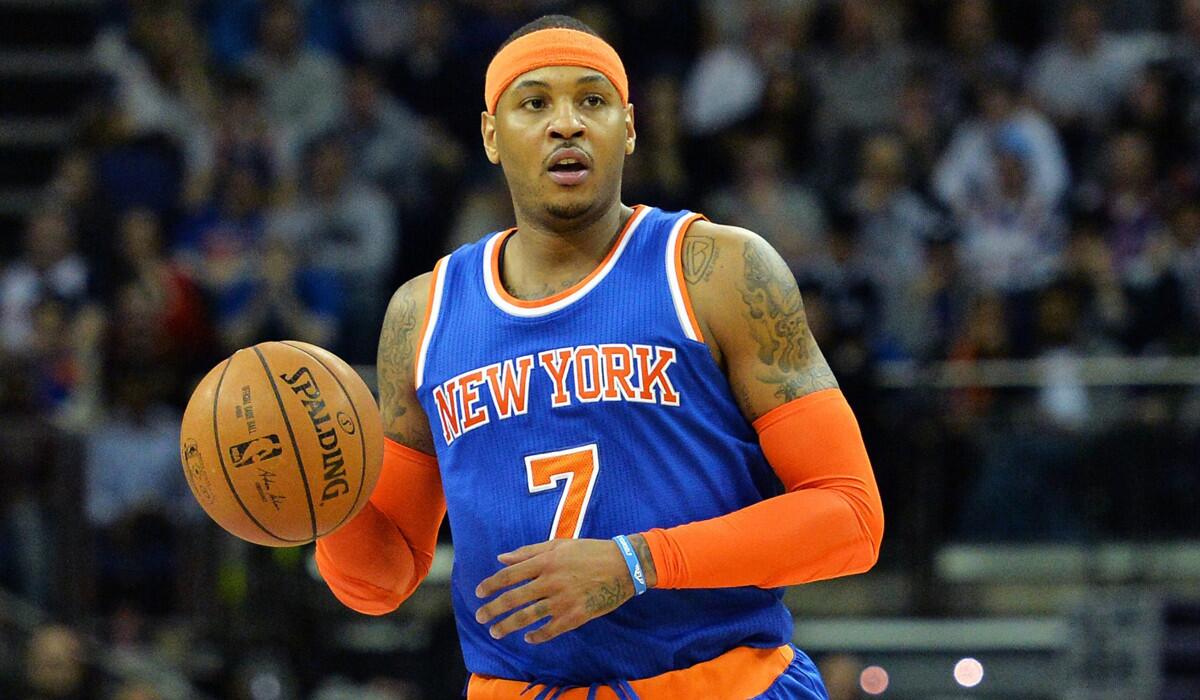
x: 553, y: 47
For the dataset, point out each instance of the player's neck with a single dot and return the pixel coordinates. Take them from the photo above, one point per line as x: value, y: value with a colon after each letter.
x: 541, y: 258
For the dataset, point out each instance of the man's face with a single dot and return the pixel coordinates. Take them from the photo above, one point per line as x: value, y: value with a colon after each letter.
x: 548, y: 118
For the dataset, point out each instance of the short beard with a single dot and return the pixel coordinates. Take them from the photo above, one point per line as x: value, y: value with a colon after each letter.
x: 569, y: 212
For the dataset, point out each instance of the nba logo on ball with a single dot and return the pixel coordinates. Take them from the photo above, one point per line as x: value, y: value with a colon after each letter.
x: 259, y: 449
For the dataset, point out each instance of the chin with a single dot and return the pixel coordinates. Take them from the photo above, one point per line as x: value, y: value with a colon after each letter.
x: 569, y: 210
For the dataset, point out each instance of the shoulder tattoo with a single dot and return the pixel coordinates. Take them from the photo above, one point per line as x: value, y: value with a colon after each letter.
x: 698, y: 257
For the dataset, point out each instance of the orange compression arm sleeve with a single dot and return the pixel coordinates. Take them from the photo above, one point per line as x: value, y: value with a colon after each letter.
x: 374, y: 562
x: 828, y: 524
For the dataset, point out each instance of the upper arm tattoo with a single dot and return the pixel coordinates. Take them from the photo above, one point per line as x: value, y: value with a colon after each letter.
x: 791, y: 361
x: 394, y: 368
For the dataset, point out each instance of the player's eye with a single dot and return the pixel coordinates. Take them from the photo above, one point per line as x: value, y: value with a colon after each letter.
x: 534, y: 103
x: 593, y: 100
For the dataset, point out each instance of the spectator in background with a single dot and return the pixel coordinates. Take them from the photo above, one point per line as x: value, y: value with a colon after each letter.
x: 136, y: 495
x: 939, y: 298
x: 1132, y: 201
x: 31, y: 463
x: 435, y: 65
x: 969, y: 165
x: 215, y: 243
x: 48, y: 268
x: 161, y: 75
x: 847, y: 308
x: 1012, y: 234
x: 242, y: 138
x: 723, y: 86
x: 1153, y: 107
x: 1088, y: 268
x: 75, y: 188
x: 486, y: 207
x: 922, y: 129
x: 350, y: 227
x: 380, y: 29
x: 56, y: 666
x: 860, y: 77
x: 66, y: 360
x: 984, y: 335
x: 658, y: 172
x: 1186, y: 56
x: 303, y: 87
x: 1079, y: 78
x: 391, y: 145
x: 974, y: 56
x: 281, y: 298
x: 893, y: 223
x: 160, y: 311
x: 411, y: 158
x: 766, y: 199
x: 1185, y: 230
x: 233, y: 27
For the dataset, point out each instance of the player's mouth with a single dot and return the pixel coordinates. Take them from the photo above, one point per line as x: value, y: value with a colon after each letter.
x: 569, y: 167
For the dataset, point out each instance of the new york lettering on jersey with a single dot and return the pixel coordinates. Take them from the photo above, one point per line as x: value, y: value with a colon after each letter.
x: 586, y: 374
x: 596, y: 412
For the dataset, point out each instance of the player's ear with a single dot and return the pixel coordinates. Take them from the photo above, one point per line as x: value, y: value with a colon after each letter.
x: 487, y: 127
x: 630, y: 132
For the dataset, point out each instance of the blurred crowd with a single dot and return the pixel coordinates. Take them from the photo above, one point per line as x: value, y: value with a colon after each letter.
x: 959, y: 180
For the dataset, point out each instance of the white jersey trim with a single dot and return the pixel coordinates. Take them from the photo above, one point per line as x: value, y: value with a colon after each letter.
x: 435, y: 307
x: 536, y: 311
x: 677, y: 297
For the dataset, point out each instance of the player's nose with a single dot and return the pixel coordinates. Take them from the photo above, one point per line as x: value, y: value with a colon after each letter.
x: 565, y: 122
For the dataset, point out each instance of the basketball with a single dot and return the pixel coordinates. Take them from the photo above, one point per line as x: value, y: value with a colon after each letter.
x: 281, y: 443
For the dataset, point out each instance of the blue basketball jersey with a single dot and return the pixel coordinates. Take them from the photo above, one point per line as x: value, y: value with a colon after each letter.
x: 594, y: 413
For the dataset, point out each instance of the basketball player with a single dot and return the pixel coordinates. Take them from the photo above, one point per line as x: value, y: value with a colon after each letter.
x: 635, y: 435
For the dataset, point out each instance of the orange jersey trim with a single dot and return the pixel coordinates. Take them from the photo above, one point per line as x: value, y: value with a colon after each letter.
x: 743, y: 672
x: 683, y: 290
x: 535, y: 303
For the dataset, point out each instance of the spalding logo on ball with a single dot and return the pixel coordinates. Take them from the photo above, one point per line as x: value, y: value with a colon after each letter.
x: 281, y: 443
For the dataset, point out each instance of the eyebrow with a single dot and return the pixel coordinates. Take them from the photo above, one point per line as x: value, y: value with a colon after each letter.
x: 529, y: 83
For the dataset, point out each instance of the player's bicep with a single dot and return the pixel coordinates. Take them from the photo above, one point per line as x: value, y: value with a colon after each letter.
x: 769, y: 353
x: 403, y: 419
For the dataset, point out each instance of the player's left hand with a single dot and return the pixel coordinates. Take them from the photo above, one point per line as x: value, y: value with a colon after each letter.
x: 569, y: 581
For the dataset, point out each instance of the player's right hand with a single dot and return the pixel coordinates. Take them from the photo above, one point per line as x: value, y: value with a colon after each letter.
x: 569, y: 581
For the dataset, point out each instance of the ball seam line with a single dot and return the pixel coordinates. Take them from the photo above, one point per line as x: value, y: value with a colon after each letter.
x: 362, y: 437
x: 312, y: 514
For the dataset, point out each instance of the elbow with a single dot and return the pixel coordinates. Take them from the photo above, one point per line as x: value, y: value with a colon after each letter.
x: 376, y: 597
x: 375, y: 605
x: 867, y: 545
x: 873, y: 535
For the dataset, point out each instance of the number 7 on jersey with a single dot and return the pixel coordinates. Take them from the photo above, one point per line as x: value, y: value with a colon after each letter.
x: 578, y: 467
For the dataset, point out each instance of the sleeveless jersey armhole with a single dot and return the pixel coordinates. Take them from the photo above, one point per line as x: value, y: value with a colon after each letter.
x: 675, y: 278
x: 432, y: 309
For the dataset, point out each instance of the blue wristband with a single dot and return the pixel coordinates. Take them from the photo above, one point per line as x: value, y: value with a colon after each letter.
x: 631, y: 561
